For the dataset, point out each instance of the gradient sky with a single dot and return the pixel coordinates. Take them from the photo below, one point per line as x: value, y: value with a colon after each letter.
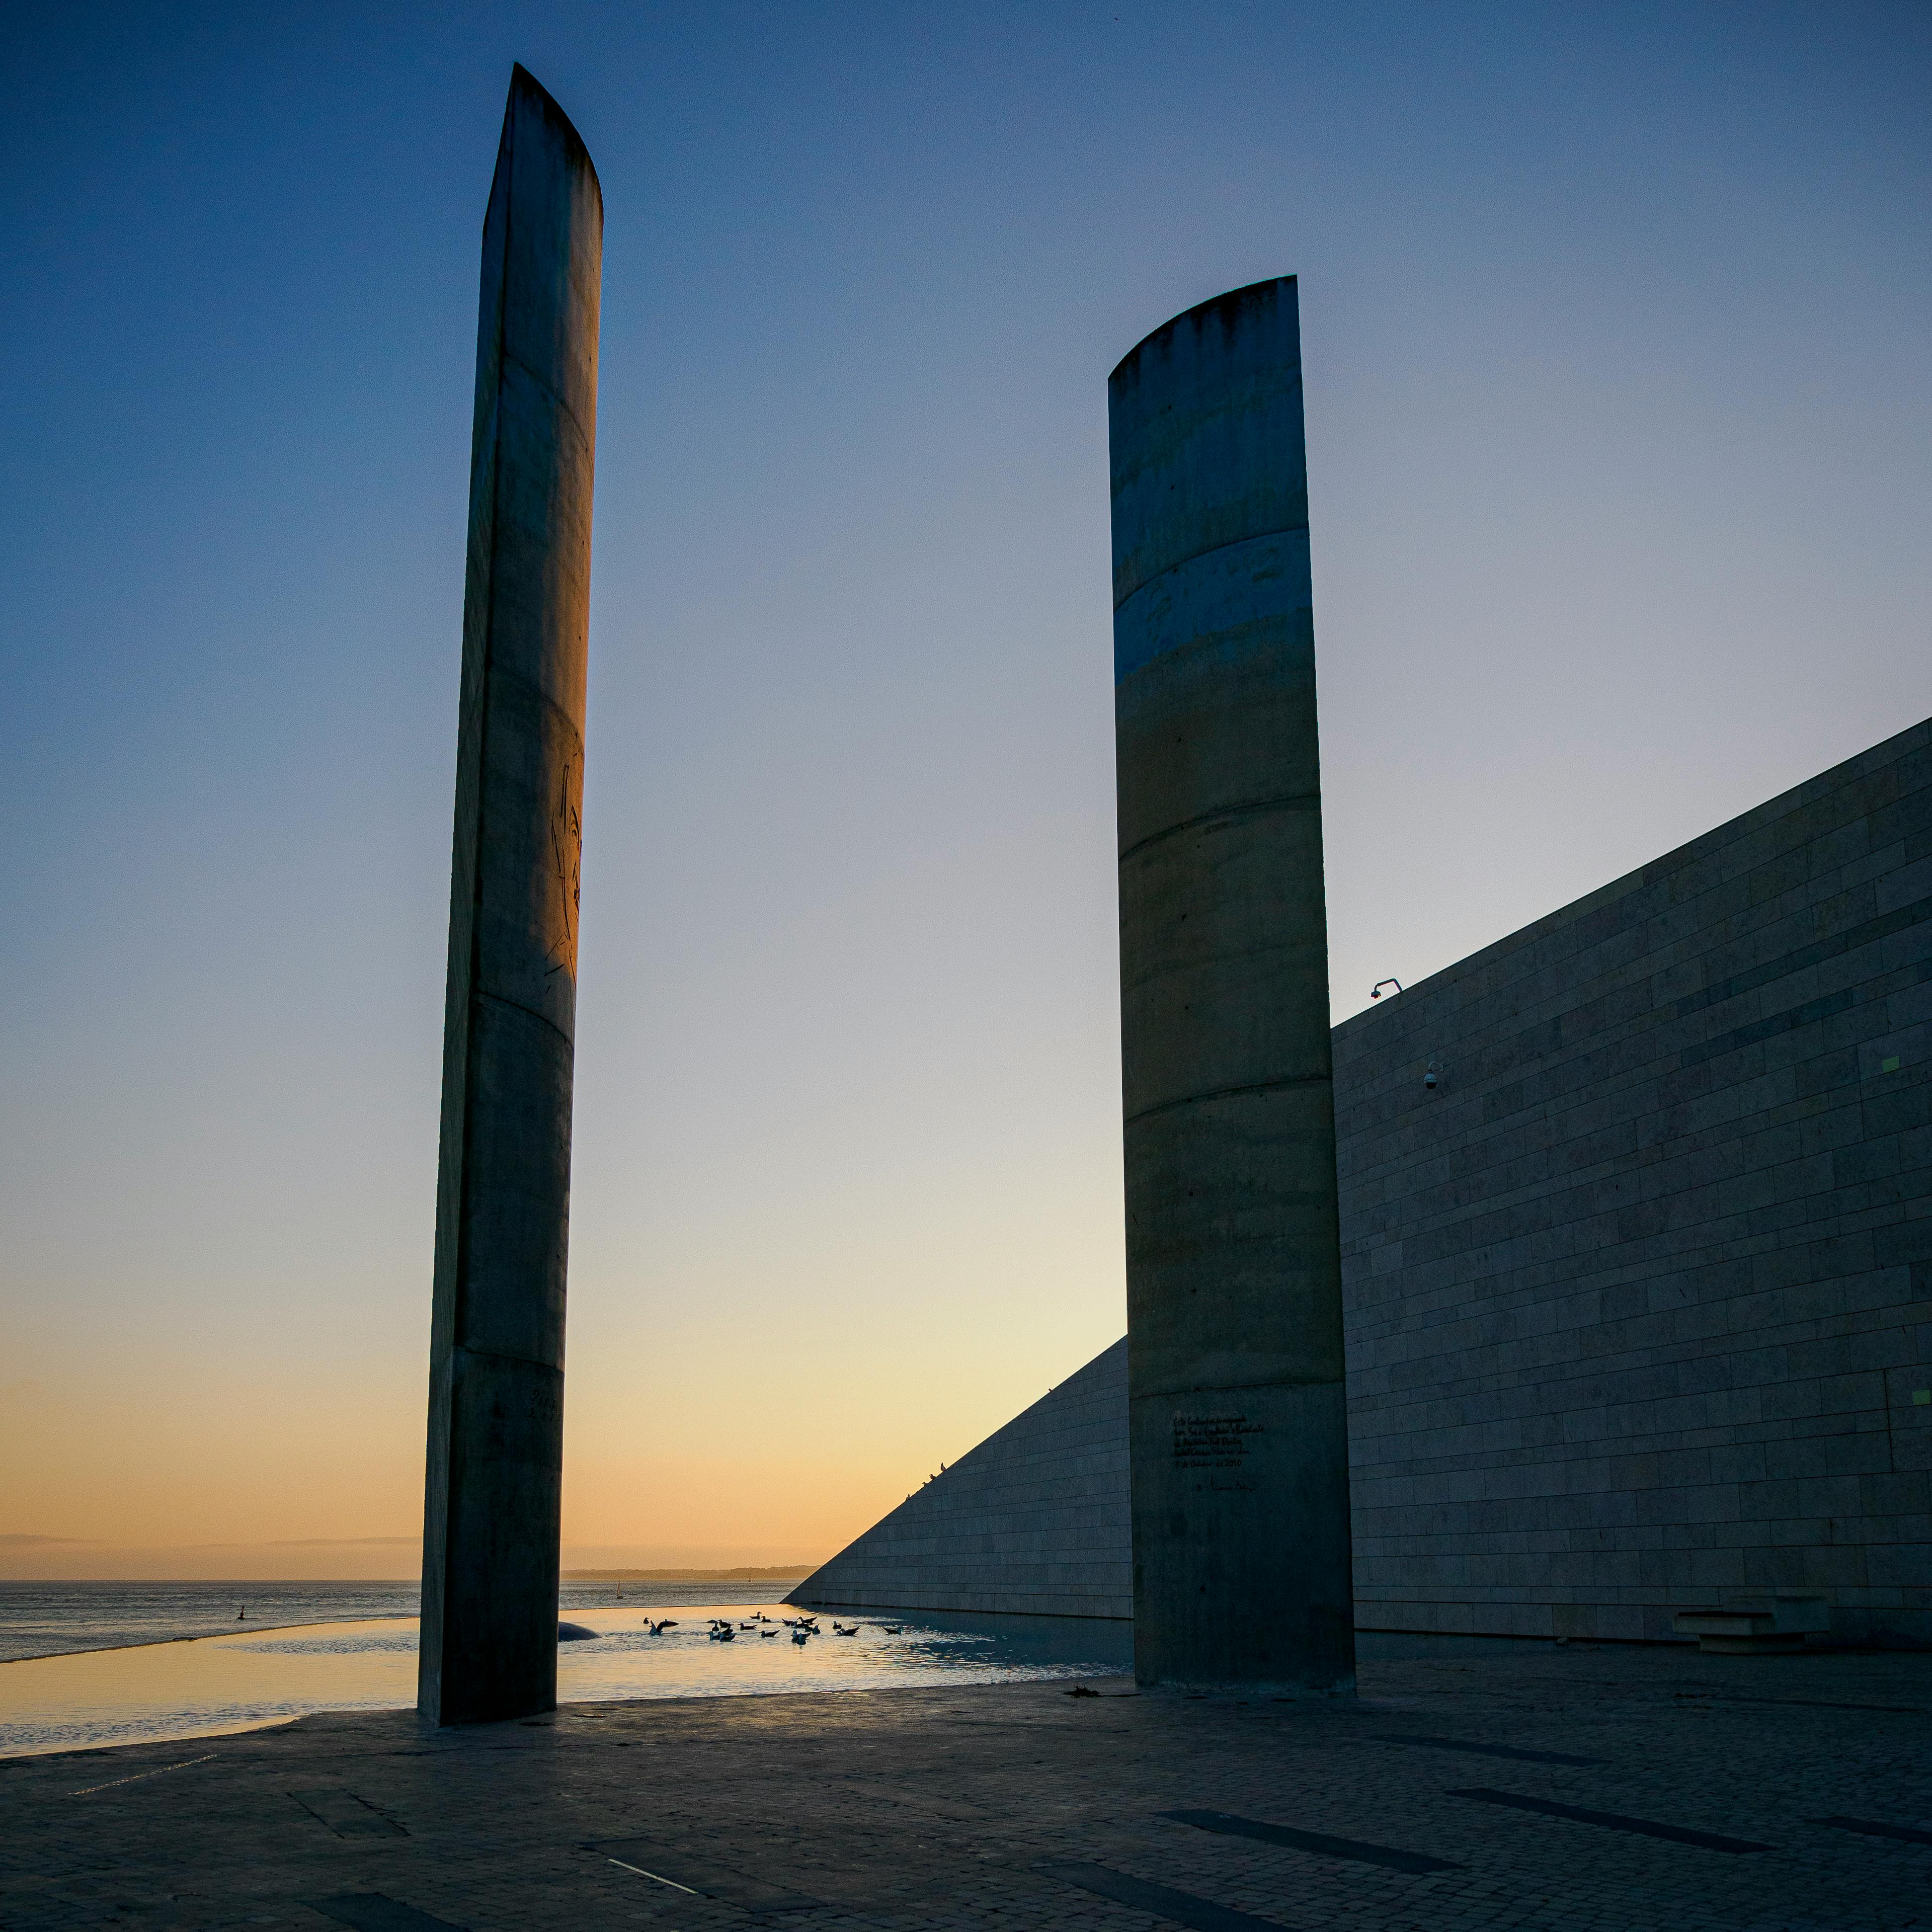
x: 1615, y: 323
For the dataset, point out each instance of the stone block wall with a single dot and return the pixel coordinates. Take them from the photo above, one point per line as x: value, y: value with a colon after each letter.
x: 1640, y: 1295
x: 1034, y: 1522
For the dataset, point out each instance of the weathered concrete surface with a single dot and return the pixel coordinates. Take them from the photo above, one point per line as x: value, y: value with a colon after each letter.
x: 1237, y: 1429
x: 1017, y: 1807
x: 1032, y: 1522
x: 1639, y: 1297
x: 491, y: 1519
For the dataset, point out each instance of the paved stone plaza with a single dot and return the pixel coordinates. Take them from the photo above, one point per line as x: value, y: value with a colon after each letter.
x: 1700, y: 1793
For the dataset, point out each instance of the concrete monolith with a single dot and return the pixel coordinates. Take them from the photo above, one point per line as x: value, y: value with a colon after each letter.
x: 491, y: 1522
x: 1238, y: 1432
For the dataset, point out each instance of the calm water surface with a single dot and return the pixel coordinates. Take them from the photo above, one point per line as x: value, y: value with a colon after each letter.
x: 46, y: 1619
x: 242, y: 1680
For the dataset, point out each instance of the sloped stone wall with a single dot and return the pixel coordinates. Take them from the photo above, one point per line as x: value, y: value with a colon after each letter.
x: 1638, y: 1298
x: 1033, y: 1521
x: 1638, y: 1301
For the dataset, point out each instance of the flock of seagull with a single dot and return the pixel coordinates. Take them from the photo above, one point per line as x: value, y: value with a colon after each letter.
x: 803, y: 1629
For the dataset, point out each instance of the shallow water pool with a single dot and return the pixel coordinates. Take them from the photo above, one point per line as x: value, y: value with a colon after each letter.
x: 211, y: 1686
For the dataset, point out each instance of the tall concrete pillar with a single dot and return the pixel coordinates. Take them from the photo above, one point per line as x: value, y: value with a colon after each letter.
x: 1239, y: 1435
x: 492, y: 1517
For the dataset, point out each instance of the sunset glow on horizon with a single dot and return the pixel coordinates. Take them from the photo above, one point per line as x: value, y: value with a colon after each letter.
x: 1620, y: 460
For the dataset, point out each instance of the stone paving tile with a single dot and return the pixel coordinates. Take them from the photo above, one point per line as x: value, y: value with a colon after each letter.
x: 908, y: 1810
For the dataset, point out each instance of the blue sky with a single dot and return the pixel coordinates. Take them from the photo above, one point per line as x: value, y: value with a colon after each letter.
x: 1615, y: 328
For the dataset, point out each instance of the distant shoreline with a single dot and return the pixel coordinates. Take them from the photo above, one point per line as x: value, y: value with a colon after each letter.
x: 201, y: 1636
x: 266, y: 1628
x: 783, y: 1573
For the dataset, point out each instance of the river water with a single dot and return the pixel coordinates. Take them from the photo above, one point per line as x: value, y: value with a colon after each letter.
x: 45, y: 1619
x: 193, y: 1687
